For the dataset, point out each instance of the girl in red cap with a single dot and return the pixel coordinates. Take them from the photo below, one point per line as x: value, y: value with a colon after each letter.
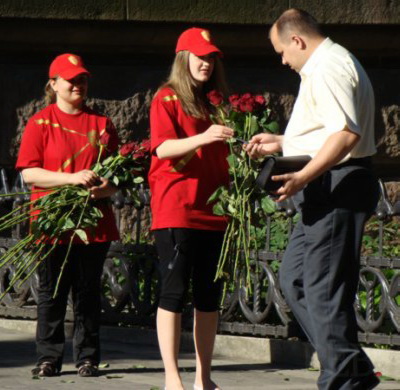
x: 59, y: 145
x: 188, y: 165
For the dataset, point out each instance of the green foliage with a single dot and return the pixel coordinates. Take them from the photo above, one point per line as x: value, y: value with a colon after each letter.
x: 391, y: 238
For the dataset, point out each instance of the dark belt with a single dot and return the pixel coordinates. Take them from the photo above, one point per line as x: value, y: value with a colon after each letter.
x: 365, y: 162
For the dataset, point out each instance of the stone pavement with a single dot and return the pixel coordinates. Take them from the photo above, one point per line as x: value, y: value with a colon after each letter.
x: 138, y: 367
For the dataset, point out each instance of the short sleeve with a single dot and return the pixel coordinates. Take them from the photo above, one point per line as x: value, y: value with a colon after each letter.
x: 335, y: 101
x: 32, y: 145
x: 162, y: 122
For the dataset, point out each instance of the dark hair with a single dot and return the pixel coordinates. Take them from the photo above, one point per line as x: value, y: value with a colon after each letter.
x: 298, y: 21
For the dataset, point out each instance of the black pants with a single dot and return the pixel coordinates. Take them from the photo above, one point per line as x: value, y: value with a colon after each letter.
x: 82, y: 274
x: 195, y: 257
x: 320, y: 271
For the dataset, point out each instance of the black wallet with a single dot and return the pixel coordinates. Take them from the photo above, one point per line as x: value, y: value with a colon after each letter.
x: 273, y: 165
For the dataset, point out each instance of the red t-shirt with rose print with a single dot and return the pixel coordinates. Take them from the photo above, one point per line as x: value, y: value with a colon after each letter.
x: 180, y: 187
x: 61, y: 142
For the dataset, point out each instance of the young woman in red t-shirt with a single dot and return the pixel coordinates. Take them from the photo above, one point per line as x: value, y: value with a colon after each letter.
x: 58, y: 147
x: 188, y: 165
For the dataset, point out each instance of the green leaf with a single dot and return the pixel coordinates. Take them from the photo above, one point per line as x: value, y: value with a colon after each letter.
x: 268, y: 205
x: 254, y: 128
x: 69, y: 224
x: 232, y: 160
x: 104, y: 365
x: 273, y: 127
x: 82, y: 235
x: 138, y: 180
x: 82, y: 192
x: 115, y: 180
x: 218, y: 209
x: 95, y: 211
x: 121, y: 279
x: 231, y: 209
x: 386, y: 378
x: 216, y: 195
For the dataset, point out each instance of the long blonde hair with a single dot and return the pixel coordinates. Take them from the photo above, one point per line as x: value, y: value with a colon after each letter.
x: 193, y: 99
x: 49, y: 94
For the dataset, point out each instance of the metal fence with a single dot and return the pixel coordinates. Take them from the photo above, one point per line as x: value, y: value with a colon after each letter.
x: 130, y: 282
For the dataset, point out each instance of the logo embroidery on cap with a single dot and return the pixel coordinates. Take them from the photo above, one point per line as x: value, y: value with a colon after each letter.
x: 73, y: 60
x: 206, y: 35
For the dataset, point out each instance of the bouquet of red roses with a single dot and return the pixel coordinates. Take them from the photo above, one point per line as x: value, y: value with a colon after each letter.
x: 247, y: 115
x: 68, y: 211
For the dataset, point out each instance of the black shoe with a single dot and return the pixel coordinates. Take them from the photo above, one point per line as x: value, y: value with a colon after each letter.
x: 369, y: 382
x: 45, y: 369
x: 88, y: 368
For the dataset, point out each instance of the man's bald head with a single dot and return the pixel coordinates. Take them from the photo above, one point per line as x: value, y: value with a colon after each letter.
x: 296, y: 21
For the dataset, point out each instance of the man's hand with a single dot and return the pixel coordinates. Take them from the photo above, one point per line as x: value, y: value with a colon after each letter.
x: 292, y: 183
x: 104, y: 190
x: 263, y: 144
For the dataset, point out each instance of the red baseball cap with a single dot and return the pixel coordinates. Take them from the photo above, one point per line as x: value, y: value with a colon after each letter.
x: 67, y: 66
x: 198, y: 41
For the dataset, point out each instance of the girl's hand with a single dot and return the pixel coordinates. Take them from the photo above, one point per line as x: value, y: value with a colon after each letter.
x: 104, y: 190
x: 86, y: 177
x: 217, y: 133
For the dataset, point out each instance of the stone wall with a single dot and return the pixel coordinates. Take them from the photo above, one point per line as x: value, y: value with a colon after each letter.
x: 129, y: 46
x: 206, y: 11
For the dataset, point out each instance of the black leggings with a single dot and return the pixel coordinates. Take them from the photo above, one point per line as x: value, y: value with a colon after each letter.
x: 196, y: 256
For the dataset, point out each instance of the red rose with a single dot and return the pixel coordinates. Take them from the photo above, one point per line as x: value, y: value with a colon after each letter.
x: 145, y: 145
x: 247, y: 103
x: 215, y: 97
x: 234, y: 101
x: 127, y: 149
x: 138, y: 153
x: 260, y: 100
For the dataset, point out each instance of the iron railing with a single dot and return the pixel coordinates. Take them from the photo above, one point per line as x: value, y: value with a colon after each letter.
x: 130, y: 281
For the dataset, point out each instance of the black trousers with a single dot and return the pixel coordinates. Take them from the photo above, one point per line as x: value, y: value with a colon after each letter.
x: 320, y: 271
x: 82, y: 275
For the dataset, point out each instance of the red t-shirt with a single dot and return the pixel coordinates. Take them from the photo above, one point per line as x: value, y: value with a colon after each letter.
x: 180, y: 187
x: 61, y: 142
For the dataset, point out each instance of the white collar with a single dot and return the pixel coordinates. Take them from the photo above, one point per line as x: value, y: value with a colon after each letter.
x: 315, y: 57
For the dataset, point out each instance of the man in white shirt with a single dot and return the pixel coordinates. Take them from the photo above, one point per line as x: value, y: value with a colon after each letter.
x: 335, y: 193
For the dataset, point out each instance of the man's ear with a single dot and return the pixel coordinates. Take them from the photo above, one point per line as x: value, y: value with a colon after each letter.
x: 298, y: 41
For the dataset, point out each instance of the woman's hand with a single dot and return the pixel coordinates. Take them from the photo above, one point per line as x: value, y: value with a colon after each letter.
x: 217, y: 133
x: 86, y: 178
x: 104, y: 190
x: 44, y: 178
x: 263, y: 144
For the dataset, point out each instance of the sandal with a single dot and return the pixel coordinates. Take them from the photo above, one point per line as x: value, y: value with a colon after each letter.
x: 45, y: 369
x: 87, y: 368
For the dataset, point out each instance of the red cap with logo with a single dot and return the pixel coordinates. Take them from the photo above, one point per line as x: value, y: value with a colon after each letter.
x: 67, y: 66
x: 198, y: 41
